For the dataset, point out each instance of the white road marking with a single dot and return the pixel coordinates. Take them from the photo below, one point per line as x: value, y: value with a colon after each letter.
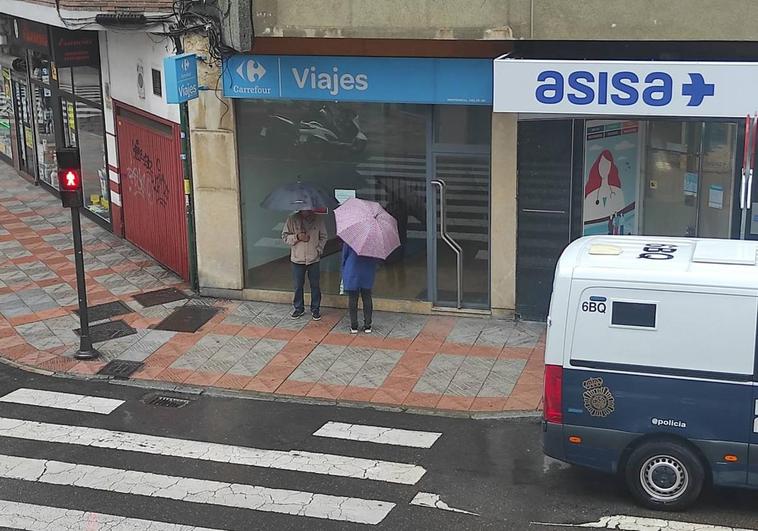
x: 43, y: 518
x: 377, y: 434
x: 634, y: 523
x: 294, y: 502
x: 299, y: 461
x: 38, y: 397
x: 427, y: 499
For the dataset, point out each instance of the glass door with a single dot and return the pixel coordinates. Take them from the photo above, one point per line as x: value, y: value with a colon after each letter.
x: 45, y: 134
x: 718, y: 166
x: 458, y: 228
x: 670, y: 206
x: 690, y: 174
x: 25, y: 128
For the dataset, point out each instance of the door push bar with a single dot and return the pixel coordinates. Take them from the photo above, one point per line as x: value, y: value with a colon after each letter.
x: 457, y: 249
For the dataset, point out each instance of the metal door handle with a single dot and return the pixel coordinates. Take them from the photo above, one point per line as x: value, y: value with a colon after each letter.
x: 749, y: 202
x: 539, y: 211
x: 457, y: 249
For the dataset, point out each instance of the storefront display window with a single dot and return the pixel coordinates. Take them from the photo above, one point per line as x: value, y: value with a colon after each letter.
x: 24, y: 130
x: 45, y: 137
x: 690, y: 174
x: 87, y: 83
x: 51, y: 97
x: 661, y: 177
x: 69, y: 123
x: 389, y: 153
x: 65, y: 81
x: 6, y: 114
x: 39, y: 67
x: 280, y: 143
x: 91, y: 135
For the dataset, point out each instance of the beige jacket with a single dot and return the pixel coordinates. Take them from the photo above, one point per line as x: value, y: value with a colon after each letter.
x: 305, y: 252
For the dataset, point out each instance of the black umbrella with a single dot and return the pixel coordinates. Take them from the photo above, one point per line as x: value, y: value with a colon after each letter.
x: 299, y: 196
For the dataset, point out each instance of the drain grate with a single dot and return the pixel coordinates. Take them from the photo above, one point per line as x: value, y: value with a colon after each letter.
x: 121, y: 369
x: 160, y: 296
x: 107, y: 310
x: 110, y: 330
x: 168, y: 401
x: 187, y: 318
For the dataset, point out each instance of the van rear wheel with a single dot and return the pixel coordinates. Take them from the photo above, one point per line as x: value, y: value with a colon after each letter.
x: 665, y: 475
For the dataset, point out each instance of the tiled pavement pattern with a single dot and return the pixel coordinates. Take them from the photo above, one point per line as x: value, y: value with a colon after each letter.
x: 442, y: 362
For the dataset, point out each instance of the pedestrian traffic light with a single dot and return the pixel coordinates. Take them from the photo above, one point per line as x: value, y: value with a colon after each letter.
x: 70, y: 178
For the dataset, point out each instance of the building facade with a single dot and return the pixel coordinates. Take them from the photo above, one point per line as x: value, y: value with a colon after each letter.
x: 396, y: 102
x: 514, y: 182
x: 52, y: 98
x: 68, y: 81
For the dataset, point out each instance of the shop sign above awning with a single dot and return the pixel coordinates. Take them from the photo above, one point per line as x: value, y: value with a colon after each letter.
x: 621, y: 88
x: 369, y: 79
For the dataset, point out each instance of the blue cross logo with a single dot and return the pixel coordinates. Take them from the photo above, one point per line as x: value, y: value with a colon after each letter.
x: 697, y: 89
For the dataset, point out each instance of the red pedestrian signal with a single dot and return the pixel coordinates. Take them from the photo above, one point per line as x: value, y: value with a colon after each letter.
x: 70, y: 178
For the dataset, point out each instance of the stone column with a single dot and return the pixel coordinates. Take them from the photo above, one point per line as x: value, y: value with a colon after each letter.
x: 216, y: 185
x: 503, y: 215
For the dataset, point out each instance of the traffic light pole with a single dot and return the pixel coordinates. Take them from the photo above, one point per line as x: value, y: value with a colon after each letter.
x: 86, y: 350
x: 70, y: 186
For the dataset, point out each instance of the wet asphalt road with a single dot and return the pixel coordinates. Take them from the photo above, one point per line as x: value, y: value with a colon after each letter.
x: 494, y: 468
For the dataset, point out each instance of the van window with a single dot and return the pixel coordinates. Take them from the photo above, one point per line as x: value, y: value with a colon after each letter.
x: 633, y: 314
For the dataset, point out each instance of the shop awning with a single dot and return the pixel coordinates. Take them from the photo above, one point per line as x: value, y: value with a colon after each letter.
x: 626, y: 88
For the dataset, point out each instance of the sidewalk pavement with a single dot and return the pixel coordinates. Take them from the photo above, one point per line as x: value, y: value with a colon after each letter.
x: 415, y: 361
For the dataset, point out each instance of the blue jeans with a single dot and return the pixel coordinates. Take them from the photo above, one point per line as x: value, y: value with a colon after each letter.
x: 298, y: 274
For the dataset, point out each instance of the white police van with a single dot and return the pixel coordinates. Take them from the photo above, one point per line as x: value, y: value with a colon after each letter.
x: 650, y: 364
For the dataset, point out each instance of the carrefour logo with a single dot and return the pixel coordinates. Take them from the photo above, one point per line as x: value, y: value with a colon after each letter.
x: 251, y: 70
x: 624, y: 88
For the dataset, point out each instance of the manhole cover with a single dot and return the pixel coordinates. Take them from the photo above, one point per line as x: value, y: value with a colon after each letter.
x: 121, y: 368
x: 187, y: 318
x: 107, y: 331
x: 161, y: 296
x: 100, y: 312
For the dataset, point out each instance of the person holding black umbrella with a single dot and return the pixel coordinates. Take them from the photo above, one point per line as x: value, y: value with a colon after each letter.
x: 305, y: 233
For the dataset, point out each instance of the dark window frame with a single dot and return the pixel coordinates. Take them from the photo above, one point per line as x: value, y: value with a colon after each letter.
x: 157, y: 83
x: 638, y: 316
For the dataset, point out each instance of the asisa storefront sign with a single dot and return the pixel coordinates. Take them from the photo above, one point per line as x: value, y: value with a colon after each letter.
x: 626, y: 88
x: 378, y: 79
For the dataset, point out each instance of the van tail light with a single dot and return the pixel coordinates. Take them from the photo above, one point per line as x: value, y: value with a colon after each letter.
x: 553, y: 393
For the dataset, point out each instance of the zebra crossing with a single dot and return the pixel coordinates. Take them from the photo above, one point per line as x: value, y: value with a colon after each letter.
x: 57, y: 468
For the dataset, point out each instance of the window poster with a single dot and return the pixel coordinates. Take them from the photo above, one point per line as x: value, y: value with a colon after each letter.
x: 611, y: 177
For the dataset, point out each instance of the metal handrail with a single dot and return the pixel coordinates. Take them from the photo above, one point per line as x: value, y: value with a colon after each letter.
x: 457, y: 249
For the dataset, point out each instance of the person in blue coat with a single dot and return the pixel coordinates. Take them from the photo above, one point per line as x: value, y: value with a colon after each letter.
x: 358, y: 274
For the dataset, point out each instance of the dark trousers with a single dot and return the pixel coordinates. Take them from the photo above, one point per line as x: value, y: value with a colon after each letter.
x: 298, y: 274
x: 368, y: 307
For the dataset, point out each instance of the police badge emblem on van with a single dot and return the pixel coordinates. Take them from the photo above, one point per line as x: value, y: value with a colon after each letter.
x: 598, y: 399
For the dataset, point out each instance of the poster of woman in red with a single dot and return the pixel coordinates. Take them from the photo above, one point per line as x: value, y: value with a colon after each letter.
x: 611, y: 178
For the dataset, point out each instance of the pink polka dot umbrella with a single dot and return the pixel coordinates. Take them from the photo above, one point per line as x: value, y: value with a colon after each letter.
x: 367, y: 228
